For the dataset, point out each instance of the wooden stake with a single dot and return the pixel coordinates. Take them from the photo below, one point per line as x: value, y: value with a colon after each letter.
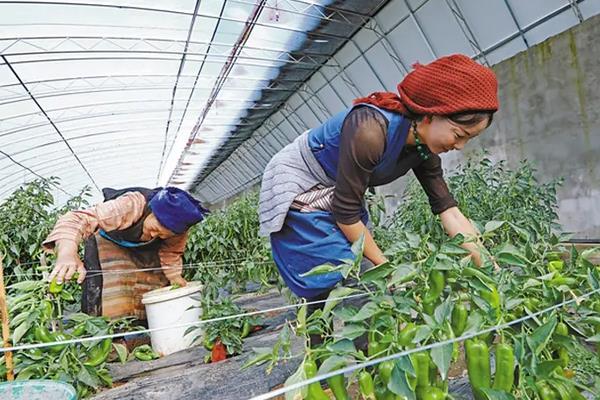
x: 5, y: 332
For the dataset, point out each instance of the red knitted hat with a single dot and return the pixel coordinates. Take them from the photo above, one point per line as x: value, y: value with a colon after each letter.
x: 448, y: 85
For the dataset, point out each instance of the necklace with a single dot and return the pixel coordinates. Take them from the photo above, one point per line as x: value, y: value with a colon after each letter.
x: 422, y: 149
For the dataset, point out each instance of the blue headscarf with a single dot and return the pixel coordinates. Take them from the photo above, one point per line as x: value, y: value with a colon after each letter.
x: 176, y: 209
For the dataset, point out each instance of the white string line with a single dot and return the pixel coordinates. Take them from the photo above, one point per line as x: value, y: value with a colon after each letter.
x: 353, y: 368
x: 154, y: 268
x: 188, y: 324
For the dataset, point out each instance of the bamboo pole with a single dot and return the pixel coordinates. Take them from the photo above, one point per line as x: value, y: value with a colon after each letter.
x: 5, y: 332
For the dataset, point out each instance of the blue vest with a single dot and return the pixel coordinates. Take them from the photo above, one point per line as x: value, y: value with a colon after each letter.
x: 324, y: 142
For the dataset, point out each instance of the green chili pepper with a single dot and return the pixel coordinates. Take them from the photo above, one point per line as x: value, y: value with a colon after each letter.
x: 55, y: 288
x: 366, y: 386
x: 407, y: 334
x: 375, y: 347
x: 492, y: 297
x: 42, y: 335
x: 574, y: 394
x: 505, y: 368
x: 385, y: 371
x: 207, y: 343
x: 99, y: 353
x: 556, y: 266
x: 337, y: 384
x: 429, y: 307
x: 562, y: 329
x: 315, y: 391
x: 246, y: 328
x: 78, y: 330
x: 144, y: 353
x: 478, y: 366
x: 421, y: 363
x: 437, y: 283
x: 430, y: 393
x: 559, y: 280
x: 546, y: 392
x: 563, y: 357
x: 459, y: 319
x: 47, y: 310
x: 531, y: 304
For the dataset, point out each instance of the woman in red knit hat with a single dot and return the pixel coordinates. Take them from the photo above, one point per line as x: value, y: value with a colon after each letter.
x: 312, y: 194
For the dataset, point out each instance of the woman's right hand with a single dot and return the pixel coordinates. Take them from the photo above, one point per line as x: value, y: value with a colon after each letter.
x: 67, y: 263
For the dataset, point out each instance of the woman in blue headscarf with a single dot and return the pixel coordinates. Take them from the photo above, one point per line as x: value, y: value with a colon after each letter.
x: 137, y: 229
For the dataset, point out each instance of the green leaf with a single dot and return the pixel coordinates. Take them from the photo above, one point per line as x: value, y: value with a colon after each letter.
x: 492, y: 394
x: 453, y: 249
x: 21, y: 330
x: 399, y: 384
x: 512, y: 257
x: 263, y: 354
x: 492, y: 226
x: 367, y: 311
x: 531, y: 282
x: 358, y: 246
x: 121, y: 352
x: 88, y: 376
x: 378, y: 272
x: 332, y: 363
x: 442, y: 356
x: 322, y: 269
x: 474, y: 323
x: 338, y: 292
x: 541, y: 336
x: 342, y: 346
x: 403, y: 274
x: 298, y: 376
x: 351, y: 331
x: 443, y: 311
x: 422, y: 334
x: 594, y: 339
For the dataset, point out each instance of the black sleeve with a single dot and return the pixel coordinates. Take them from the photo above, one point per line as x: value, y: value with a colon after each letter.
x: 362, y: 144
x: 431, y: 176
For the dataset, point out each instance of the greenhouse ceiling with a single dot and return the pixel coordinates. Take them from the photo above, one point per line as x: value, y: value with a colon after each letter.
x: 200, y: 94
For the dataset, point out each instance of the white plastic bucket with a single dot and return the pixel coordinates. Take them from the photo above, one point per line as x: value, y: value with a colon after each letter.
x: 170, y: 307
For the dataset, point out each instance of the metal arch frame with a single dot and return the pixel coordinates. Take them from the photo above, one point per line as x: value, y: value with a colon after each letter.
x: 113, y: 41
x: 276, y: 61
x: 413, y: 16
x: 575, y: 6
x: 480, y: 54
x: 103, y: 154
x: 141, y: 88
x: 50, y: 121
x: 514, y: 18
x: 166, y: 11
x: 202, y: 64
x: 33, y: 84
x: 250, y: 23
x: 333, y: 11
x: 181, y: 64
x: 106, y: 114
x: 48, y: 171
x: 108, y: 103
x: 25, y: 168
x: 466, y: 29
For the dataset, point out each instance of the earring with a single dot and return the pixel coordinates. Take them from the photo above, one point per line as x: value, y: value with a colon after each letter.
x: 422, y: 150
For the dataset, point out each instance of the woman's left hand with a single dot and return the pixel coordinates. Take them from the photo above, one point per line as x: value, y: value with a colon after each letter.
x: 179, y: 281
